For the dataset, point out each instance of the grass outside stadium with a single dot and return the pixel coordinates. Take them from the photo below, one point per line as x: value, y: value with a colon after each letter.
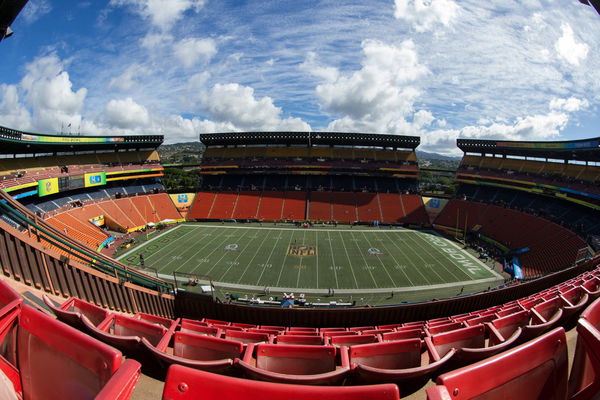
x: 354, y: 265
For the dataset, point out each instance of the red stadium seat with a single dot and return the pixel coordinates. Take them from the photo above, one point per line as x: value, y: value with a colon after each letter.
x: 10, y: 304
x: 71, y: 311
x: 266, y: 330
x: 187, y: 384
x: 535, y: 370
x: 337, y: 330
x: 9, y: 299
x: 584, y: 382
x: 592, y: 287
x: 310, y: 365
x: 153, y: 319
x: 126, y: 334
x: 200, y: 328
x: 198, y: 352
x: 575, y: 300
x: 300, y: 339
x: 432, y: 330
x: 247, y: 337
x: 403, y: 334
x: 505, y: 327
x: 56, y: 361
x: 470, y: 344
x: 339, y: 333
x: 544, y: 316
x: 397, y: 361
x: 351, y: 340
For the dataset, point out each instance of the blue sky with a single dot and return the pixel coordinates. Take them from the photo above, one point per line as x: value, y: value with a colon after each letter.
x: 440, y: 69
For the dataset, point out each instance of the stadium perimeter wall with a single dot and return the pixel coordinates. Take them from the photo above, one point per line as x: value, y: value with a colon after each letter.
x: 195, y: 306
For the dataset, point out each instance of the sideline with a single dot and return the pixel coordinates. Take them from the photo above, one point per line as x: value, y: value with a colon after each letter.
x: 396, y: 290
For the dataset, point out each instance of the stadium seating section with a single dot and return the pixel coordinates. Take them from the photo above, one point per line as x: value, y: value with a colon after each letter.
x: 124, y: 214
x: 334, y: 153
x: 19, y: 171
x: 344, y: 207
x: 573, y: 176
x: 43, y: 358
x: 550, y: 246
x: 486, y: 353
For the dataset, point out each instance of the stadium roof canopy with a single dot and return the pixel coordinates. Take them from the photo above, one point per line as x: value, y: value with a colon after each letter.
x: 594, y: 3
x: 582, y: 150
x: 9, y: 9
x: 309, y: 139
x: 17, y: 142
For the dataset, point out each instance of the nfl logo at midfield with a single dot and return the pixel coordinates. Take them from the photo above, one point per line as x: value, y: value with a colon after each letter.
x: 302, y: 251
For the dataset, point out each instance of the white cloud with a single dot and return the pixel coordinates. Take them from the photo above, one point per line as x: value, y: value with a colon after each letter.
x: 568, y: 48
x: 536, y: 127
x: 49, y: 93
x: 12, y: 113
x: 423, y: 118
x: 236, y: 105
x: 424, y: 15
x: 35, y: 9
x: 380, y: 95
x: 192, y: 50
x: 126, y: 114
x: 161, y: 13
x: 572, y: 104
x: 156, y: 40
x: 312, y: 66
x: 128, y: 79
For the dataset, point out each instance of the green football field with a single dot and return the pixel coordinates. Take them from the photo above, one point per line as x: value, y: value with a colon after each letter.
x: 356, y: 261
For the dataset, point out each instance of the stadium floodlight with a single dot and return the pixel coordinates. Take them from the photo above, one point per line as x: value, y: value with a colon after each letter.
x: 9, y: 32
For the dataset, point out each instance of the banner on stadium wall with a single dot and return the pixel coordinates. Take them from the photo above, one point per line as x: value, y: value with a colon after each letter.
x: 434, y: 206
x: 183, y: 200
x: 94, y: 179
x: 47, y: 186
x: 98, y: 221
x: 69, y: 139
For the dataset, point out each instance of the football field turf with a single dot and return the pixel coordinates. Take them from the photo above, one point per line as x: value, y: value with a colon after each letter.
x: 355, y: 260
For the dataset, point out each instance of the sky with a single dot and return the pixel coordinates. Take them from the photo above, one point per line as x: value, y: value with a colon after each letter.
x: 438, y: 69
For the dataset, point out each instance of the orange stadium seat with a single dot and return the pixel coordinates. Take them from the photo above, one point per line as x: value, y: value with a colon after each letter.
x: 392, y: 209
x: 202, y: 206
x: 294, y: 206
x: 224, y: 205
x: 111, y: 209
x: 344, y: 207
x: 414, y: 209
x: 163, y: 206
x: 367, y: 206
x: 271, y: 205
x: 247, y: 205
x: 128, y: 208
x: 320, y: 206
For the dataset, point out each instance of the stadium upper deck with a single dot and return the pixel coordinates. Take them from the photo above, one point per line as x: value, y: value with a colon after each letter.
x: 13, y: 142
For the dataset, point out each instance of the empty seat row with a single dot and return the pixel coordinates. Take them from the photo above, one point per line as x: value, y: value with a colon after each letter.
x: 43, y: 358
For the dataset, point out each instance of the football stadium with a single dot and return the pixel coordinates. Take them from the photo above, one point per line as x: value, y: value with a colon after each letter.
x: 307, y: 264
